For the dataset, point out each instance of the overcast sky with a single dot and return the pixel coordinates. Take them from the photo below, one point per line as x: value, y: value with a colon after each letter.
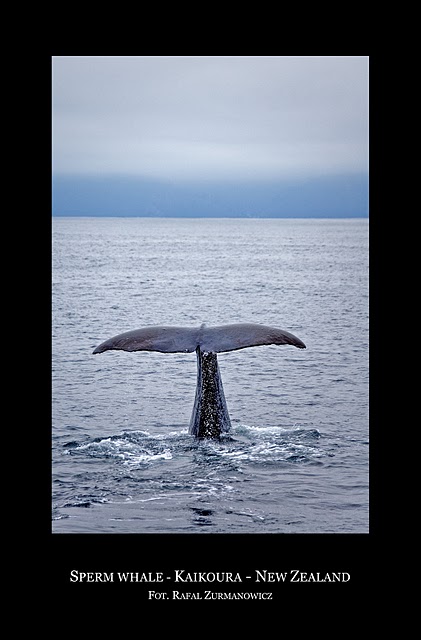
x: 210, y: 117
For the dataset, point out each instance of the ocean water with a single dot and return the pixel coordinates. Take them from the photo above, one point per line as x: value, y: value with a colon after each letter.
x: 296, y: 460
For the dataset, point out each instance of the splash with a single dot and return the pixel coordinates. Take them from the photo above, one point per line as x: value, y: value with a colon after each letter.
x: 268, y: 445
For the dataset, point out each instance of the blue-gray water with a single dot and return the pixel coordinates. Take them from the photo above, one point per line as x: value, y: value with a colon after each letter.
x: 297, y: 460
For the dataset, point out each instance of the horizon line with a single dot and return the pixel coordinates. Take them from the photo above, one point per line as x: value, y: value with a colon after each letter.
x: 186, y: 217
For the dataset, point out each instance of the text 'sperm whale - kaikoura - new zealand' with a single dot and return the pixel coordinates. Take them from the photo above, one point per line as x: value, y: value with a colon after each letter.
x: 210, y: 416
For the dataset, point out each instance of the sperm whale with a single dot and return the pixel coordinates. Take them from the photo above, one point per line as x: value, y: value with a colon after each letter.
x: 210, y: 417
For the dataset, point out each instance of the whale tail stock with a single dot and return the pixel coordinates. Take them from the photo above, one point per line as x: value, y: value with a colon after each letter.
x: 210, y: 416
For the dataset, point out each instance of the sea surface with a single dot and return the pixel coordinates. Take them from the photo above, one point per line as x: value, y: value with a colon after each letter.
x: 296, y: 460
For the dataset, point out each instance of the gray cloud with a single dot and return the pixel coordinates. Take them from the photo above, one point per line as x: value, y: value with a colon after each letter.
x: 210, y: 117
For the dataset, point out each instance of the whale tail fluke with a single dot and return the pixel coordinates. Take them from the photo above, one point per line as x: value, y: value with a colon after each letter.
x: 163, y: 339
x: 230, y: 337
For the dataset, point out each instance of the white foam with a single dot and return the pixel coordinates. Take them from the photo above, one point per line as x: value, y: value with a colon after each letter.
x: 134, y: 459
